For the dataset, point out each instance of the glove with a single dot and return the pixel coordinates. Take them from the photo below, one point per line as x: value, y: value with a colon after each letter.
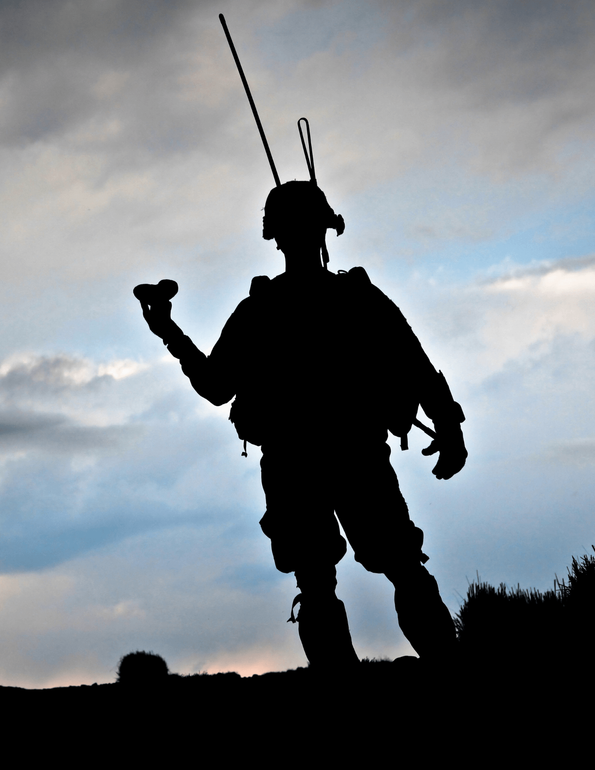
x: 450, y: 444
x: 158, y: 318
x: 156, y: 306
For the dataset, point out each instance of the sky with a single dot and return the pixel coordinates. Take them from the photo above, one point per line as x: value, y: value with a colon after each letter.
x: 456, y: 139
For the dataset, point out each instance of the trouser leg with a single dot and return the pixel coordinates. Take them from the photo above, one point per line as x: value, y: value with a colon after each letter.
x: 306, y: 539
x: 322, y: 620
x: 376, y: 520
x: 423, y: 617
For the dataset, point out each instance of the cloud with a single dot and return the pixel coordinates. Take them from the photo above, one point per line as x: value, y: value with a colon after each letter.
x: 499, y: 88
x: 110, y: 146
x: 64, y: 63
x: 533, y: 309
x: 516, y: 317
x: 144, y: 150
x: 578, y: 452
x: 529, y: 432
x: 21, y: 432
x: 89, y: 458
x: 160, y: 590
x: 76, y: 388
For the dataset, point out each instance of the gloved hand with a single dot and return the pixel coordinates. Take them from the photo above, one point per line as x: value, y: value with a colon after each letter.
x: 156, y: 306
x: 450, y: 444
x: 158, y: 318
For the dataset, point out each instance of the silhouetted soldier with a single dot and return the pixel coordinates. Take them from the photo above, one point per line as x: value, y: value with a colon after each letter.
x: 322, y: 366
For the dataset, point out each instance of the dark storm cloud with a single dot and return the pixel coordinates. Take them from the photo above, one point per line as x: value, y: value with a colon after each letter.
x: 506, y: 86
x: 527, y: 30
x: 44, y: 375
x: 14, y: 425
x: 56, y: 433
x: 533, y: 59
x: 136, y: 77
x: 505, y: 51
x: 105, y: 75
x: 63, y: 401
x: 34, y: 31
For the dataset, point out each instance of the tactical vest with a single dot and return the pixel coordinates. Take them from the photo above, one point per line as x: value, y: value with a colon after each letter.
x: 378, y: 366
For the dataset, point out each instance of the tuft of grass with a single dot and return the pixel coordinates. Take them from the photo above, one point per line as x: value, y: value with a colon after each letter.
x: 529, y: 624
x: 579, y: 592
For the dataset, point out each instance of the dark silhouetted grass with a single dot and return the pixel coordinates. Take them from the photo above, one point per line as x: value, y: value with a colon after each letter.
x: 526, y: 625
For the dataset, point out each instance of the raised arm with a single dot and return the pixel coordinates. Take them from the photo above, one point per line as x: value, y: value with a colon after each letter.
x: 209, y: 377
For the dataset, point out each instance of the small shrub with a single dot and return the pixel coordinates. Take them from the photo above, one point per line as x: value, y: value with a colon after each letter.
x: 142, y: 668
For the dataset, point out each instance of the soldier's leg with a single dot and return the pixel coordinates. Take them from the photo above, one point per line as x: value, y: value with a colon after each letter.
x: 322, y: 620
x: 376, y: 520
x: 423, y: 617
x: 306, y: 539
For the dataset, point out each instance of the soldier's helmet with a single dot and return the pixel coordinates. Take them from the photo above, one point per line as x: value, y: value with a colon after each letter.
x: 295, y: 203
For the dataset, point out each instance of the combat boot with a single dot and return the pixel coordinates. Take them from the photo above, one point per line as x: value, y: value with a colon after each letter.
x: 324, y: 632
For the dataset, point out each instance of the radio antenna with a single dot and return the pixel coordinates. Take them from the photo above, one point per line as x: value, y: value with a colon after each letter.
x: 309, y: 155
x: 251, y: 100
